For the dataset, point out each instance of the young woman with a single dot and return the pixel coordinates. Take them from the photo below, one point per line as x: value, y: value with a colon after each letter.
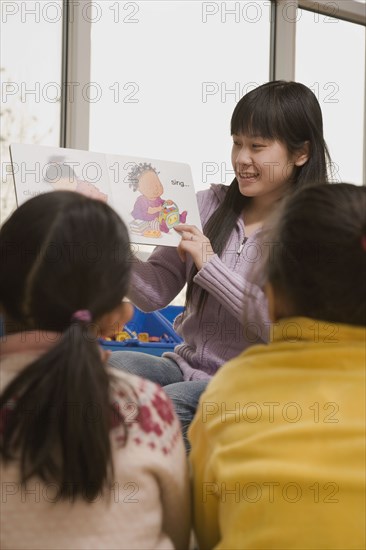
x: 278, y: 145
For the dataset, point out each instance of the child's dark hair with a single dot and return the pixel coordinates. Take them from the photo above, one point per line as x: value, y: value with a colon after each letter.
x: 285, y: 111
x: 62, y: 252
x: 317, y: 264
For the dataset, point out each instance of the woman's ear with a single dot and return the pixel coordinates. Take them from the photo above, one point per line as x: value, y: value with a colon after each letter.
x: 302, y: 155
x: 112, y: 322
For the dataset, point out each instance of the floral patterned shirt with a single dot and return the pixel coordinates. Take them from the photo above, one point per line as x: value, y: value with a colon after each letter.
x: 148, y: 505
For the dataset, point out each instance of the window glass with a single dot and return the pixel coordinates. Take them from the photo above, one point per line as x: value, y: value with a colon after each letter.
x: 169, y: 76
x: 30, y: 63
x: 330, y: 59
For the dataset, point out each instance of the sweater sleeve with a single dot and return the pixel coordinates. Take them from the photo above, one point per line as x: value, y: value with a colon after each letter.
x: 156, y: 282
x: 242, y: 298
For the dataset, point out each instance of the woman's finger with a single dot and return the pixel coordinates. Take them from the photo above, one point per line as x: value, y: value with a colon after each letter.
x: 188, y: 229
x: 188, y: 236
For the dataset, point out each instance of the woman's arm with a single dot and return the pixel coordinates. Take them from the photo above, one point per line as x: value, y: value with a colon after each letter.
x: 156, y: 282
x: 241, y: 297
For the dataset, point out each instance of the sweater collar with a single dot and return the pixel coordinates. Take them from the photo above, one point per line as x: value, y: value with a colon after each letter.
x: 305, y: 329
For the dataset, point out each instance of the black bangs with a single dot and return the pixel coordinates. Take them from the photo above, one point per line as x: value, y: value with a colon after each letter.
x: 254, y: 119
x: 280, y: 110
x: 260, y: 112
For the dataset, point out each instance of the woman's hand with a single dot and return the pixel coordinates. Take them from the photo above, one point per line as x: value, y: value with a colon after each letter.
x: 194, y: 243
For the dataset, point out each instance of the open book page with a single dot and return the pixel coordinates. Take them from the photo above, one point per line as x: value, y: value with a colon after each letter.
x: 39, y: 169
x: 151, y: 196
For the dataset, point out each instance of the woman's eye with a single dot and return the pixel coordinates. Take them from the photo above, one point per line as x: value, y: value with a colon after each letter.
x: 257, y: 145
x: 236, y: 143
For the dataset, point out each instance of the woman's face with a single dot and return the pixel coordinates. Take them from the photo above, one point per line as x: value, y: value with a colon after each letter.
x: 261, y: 166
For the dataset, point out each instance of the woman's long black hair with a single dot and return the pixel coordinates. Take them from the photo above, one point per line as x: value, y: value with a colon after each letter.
x: 285, y: 111
x: 62, y: 252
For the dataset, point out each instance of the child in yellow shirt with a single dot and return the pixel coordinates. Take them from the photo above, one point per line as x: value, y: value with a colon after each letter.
x: 278, y: 441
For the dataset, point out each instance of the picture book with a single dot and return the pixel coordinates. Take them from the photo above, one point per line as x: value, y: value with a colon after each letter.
x: 151, y: 196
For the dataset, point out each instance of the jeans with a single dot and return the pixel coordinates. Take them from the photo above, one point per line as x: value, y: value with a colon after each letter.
x: 165, y: 372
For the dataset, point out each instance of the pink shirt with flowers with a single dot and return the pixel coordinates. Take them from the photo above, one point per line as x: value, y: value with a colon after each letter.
x: 148, y: 506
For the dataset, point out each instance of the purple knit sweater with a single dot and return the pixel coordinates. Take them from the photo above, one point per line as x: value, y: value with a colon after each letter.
x: 235, y: 314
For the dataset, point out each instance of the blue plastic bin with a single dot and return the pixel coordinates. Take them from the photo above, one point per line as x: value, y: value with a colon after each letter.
x: 155, y: 323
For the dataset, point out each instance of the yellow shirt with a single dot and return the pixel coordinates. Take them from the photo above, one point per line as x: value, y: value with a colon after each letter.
x: 278, y: 443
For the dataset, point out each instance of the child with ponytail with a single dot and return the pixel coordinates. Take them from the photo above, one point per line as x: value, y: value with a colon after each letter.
x: 90, y: 457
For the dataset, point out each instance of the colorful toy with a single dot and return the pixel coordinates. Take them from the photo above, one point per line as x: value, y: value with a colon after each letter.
x: 169, y: 214
x: 122, y: 336
x: 143, y: 336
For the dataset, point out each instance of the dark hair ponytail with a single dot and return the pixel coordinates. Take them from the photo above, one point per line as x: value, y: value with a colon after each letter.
x: 61, y: 401
x: 60, y: 415
x: 285, y: 111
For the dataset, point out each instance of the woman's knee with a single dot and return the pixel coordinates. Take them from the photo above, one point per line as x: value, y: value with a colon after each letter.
x: 157, y: 369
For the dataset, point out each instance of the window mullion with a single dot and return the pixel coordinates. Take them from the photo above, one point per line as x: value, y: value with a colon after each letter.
x: 285, y: 39
x: 76, y: 101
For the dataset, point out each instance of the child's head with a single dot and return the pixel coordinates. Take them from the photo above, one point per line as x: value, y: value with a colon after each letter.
x: 144, y: 177
x: 287, y: 112
x: 317, y: 263
x: 62, y: 252
x: 65, y: 269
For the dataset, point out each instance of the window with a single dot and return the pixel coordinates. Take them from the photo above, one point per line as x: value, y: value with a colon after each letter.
x: 330, y: 59
x: 31, y: 38
x: 169, y: 75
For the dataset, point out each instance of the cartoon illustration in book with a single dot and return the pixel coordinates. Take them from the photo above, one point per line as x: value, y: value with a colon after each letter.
x: 152, y: 214
x: 61, y: 176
